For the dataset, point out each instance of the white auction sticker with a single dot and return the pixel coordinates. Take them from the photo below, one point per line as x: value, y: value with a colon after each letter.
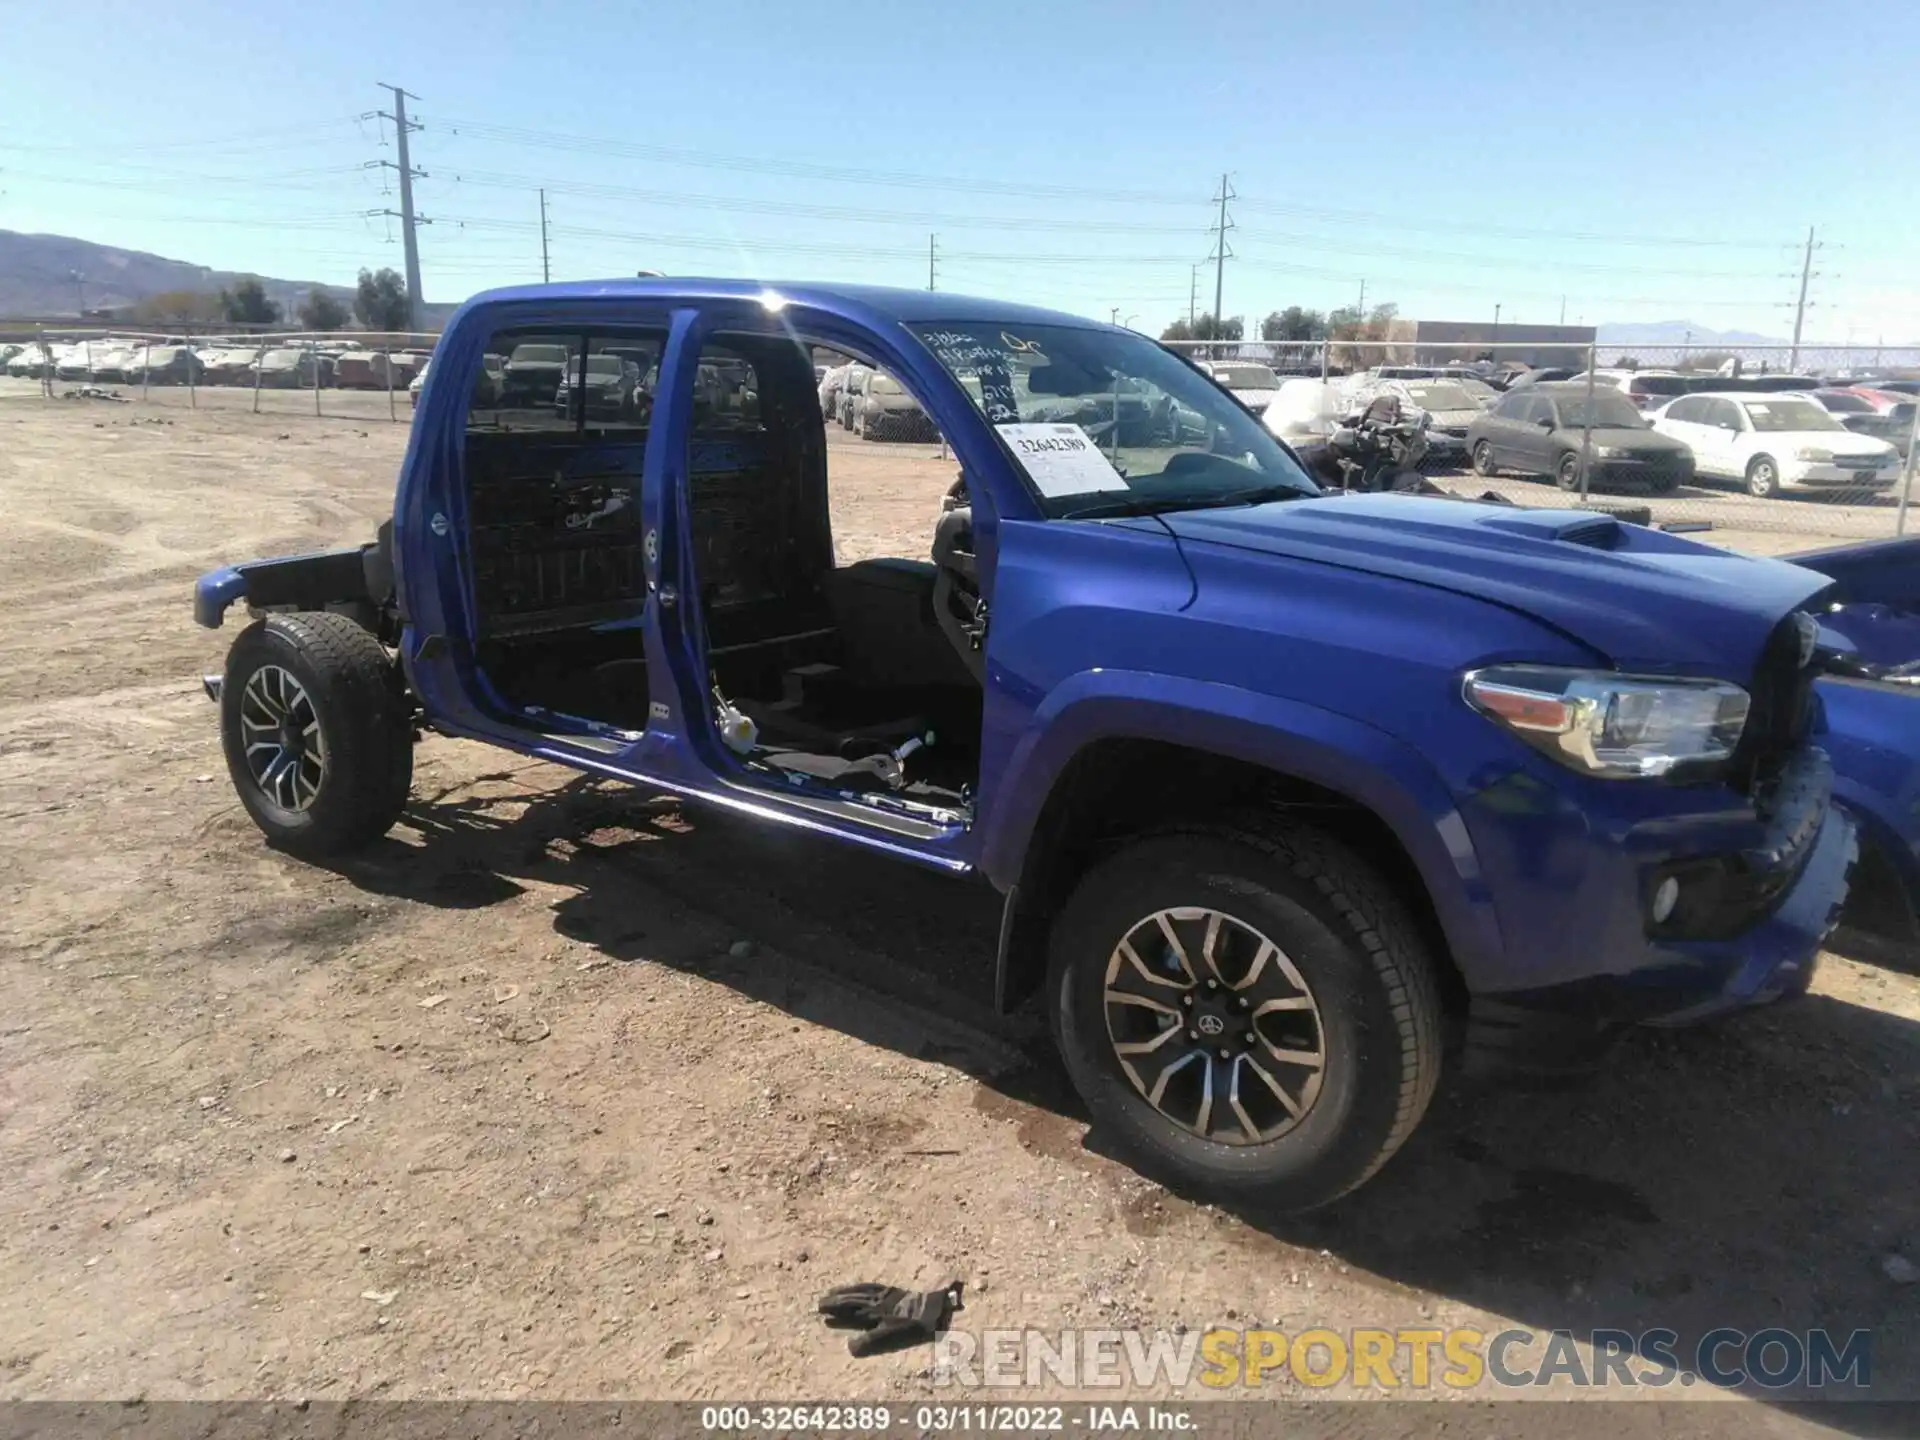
x: 1062, y: 459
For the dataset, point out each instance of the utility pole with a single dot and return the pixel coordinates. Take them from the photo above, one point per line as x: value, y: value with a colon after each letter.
x: 1193, y: 297
x: 930, y: 259
x: 1800, y: 309
x: 1360, y: 310
x: 1221, y: 250
x: 79, y: 292
x: 402, y: 127
x: 1496, y: 323
x: 1563, y: 309
x: 546, y: 268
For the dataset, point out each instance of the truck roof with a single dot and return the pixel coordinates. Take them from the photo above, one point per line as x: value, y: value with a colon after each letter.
x: 869, y: 304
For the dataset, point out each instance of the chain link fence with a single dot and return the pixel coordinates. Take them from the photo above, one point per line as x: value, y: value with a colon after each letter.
x: 350, y: 375
x: 1767, y: 448
x: 1763, y: 448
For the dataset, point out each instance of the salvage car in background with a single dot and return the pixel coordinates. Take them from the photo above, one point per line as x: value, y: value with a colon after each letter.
x: 1870, y: 719
x: 170, y: 364
x: 1884, y: 415
x: 1449, y: 407
x: 1539, y: 430
x: 286, y: 368
x: 532, y: 375
x: 608, y: 388
x: 884, y: 411
x: 1778, y: 442
x: 1647, y: 389
x: 1253, y: 385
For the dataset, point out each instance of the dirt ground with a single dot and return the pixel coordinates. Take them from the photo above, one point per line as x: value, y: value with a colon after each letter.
x: 507, y: 1108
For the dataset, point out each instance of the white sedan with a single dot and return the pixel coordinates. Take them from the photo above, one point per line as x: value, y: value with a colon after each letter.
x: 1772, y: 442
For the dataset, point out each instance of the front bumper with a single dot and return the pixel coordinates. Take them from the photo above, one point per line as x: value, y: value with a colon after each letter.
x: 1565, y: 1028
x: 1634, y: 471
x: 1827, y: 477
x: 1576, y: 865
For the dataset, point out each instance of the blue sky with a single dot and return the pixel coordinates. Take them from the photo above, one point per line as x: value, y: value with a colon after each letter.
x: 1645, y: 161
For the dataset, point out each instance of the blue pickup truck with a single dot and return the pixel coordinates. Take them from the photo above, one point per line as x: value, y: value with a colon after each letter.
x: 1288, y: 795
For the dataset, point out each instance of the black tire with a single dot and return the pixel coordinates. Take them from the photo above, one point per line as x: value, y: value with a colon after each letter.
x: 1483, y: 460
x: 1566, y: 472
x: 1377, y: 1012
x: 1763, y: 477
x: 358, y: 701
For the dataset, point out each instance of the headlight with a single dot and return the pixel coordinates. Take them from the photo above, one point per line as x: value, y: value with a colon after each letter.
x: 1618, y: 726
x: 1816, y: 455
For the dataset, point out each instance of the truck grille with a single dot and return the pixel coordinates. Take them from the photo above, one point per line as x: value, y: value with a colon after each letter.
x: 1782, y: 714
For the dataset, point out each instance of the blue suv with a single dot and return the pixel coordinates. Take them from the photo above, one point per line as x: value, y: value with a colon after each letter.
x: 1286, y: 793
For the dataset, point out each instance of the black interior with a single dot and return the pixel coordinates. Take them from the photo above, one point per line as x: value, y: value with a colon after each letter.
x: 837, y: 667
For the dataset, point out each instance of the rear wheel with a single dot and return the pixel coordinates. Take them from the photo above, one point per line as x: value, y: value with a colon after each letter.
x: 1763, y: 477
x: 1483, y: 460
x: 317, y: 731
x: 1252, y: 1013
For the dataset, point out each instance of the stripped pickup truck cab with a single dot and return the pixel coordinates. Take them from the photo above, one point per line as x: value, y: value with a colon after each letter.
x: 1290, y: 796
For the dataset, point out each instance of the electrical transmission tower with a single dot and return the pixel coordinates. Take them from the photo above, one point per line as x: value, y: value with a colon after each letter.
x: 409, y: 221
x: 1222, y: 251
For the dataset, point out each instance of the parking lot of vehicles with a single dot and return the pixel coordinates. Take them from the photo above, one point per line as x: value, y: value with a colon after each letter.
x: 1541, y: 429
x: 1168, y: 698
x: 1776, y: 442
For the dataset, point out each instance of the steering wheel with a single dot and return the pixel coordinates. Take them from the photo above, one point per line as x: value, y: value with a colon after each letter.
x: 957, y: 607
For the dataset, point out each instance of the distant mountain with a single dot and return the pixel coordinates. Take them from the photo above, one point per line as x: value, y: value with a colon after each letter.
x: 36, y: 279
x: 1681, y: 332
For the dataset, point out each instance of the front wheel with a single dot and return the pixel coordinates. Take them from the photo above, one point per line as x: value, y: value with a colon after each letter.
x: 1483, y: 465
x: 1763, y: 478
x: 1252, y: 1013
x: 318, y: 732
x: 1567, y: 474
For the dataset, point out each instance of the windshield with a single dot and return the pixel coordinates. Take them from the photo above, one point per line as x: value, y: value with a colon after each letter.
x: 1246, y: 377
x: 1778, y: 415
x: 1108, y: 422
x: 1440, y: 397
x: 539, y: 355
x: 1611, y: 411
x: 883, y: 385
x: 604, y: 365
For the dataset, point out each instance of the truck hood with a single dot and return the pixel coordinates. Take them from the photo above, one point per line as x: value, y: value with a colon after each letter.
x: 1642, y: 598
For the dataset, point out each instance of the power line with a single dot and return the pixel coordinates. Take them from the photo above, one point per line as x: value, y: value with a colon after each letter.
x: 903, y: 179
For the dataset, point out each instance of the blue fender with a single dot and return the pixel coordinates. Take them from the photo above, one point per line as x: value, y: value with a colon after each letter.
x: 1288, y: 737
x: 1872, y: 731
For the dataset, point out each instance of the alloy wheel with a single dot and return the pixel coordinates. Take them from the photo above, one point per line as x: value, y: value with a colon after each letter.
x: 280, y: 731
x: 1214, y: 1025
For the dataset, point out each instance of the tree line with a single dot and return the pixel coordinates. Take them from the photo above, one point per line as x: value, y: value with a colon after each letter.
x: 1292, y: 325
x: 379, y: 303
